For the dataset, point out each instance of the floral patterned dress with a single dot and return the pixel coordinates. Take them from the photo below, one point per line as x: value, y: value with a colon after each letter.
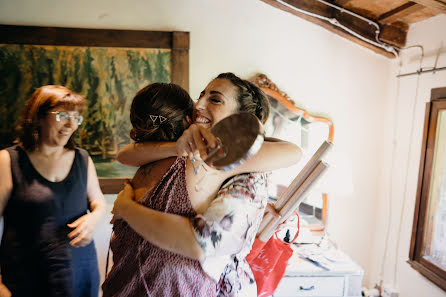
x: 226, y: 232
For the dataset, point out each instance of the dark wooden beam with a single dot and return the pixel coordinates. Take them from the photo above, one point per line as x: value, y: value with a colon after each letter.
x: 436, y: 5
x: 355, y: 24
x: 310, y: 5
x: 399, y: 12
x: 342, y: 2
x: 394, y: 35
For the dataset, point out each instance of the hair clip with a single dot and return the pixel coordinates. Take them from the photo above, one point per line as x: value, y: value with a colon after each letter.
x: 154, y: 118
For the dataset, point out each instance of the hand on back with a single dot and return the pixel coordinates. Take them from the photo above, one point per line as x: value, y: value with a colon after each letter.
x: 127, y: 195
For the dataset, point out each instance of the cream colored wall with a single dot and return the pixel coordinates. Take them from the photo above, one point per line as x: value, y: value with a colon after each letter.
x: 406, y: 149
x: 321, y: 71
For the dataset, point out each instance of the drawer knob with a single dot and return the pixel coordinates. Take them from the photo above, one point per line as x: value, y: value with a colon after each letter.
x: 306, y: 289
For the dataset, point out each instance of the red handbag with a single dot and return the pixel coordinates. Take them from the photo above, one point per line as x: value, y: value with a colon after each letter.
x: 268, y: 262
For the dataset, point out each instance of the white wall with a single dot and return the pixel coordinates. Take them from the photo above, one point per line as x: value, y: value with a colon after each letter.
x: 400, y: 197
x: 319, y: 70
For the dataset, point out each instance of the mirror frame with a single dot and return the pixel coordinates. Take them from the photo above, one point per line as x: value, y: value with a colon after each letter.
x: 267, y: 86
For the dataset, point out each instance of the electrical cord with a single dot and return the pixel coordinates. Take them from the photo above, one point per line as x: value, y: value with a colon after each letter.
x: 392, y: 167
x: 335, y: 22
x: 409, y: 152
x: 389, y: 216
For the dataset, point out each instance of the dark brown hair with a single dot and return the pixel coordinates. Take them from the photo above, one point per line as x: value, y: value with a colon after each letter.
x: 159, y: 99
x: 37, y: 107
x: 250, y: 97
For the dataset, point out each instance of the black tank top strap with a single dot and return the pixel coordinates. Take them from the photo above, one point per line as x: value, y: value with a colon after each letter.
x: 84, y: 157
x: 16, y: 172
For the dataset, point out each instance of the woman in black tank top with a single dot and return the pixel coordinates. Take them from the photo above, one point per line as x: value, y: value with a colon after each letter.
x: 51, y: 202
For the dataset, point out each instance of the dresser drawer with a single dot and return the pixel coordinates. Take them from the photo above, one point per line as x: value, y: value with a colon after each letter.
x: 310, y: 286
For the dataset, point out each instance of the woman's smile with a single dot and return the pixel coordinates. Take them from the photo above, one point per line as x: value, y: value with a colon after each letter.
x: 66, y: 132
x: 201, y: 120
x: 217, y: 101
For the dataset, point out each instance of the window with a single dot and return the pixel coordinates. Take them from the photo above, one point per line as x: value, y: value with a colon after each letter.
x: 428, y: 245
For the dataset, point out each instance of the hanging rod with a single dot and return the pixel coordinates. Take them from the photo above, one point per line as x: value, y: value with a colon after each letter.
x: 421, y: 71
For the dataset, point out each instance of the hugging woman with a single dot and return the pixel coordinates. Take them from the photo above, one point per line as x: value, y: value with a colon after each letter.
x: 187, y: 242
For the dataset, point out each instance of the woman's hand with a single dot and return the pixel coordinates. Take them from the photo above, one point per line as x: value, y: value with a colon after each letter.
x: 4, y: 291
x: 195, y: 138
x: 83, y: 229
x: 125, y: 197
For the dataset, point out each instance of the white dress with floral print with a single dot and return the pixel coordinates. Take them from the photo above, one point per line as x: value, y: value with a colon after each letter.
x: 226, y: 232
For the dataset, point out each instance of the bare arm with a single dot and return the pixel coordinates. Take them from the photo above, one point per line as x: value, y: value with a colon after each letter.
x: 192, y: 140
x: 167, y: 231
x: 274, y: 153
x: 85, y: 226
x: 95, y: 197
x: 5, y: 193
x: 5, y: 179
x: 271, y: 156
x: 138, y: 154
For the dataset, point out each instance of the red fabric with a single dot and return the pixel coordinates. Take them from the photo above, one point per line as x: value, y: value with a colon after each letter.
x: 268, y: 261
x: 269, y: 264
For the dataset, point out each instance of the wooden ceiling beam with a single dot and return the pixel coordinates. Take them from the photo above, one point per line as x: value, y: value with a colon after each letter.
x: 361, y: 27
x: 342, y: 2
x: 436, y: 5
x: 355, y: 24
x: 399, y: 12
x: 308, y: 5
x: 393, y: 35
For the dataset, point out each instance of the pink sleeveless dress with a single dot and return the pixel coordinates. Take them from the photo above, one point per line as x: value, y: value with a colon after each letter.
x: 142, y: 269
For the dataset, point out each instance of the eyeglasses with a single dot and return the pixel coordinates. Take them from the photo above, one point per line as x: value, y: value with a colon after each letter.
x: 63, y: 116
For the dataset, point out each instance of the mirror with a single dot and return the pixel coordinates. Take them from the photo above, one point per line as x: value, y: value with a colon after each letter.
x: 288, y: 122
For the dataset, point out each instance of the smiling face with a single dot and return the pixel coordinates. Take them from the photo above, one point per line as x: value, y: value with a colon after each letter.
x: 37, y: 117
x: 217, y: 101
x: 57, y: 133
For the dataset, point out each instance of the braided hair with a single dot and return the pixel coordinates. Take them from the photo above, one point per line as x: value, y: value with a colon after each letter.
x: 158, y: 101
x: 250, y: 97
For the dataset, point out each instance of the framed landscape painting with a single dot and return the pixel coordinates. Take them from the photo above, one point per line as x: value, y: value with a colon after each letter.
x: 107, y: 67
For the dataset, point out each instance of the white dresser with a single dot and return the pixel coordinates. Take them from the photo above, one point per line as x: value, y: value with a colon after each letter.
x: 341, y: 277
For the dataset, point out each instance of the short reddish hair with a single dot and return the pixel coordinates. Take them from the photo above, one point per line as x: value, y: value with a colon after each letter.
x: 37, y: 107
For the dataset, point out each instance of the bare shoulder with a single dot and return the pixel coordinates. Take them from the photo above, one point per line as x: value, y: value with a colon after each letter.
x: 6, y: 180
x: 5, y: 159
x: 148, y: 176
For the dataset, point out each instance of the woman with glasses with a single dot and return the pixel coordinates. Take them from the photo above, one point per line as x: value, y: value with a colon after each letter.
x: 51, y: 202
